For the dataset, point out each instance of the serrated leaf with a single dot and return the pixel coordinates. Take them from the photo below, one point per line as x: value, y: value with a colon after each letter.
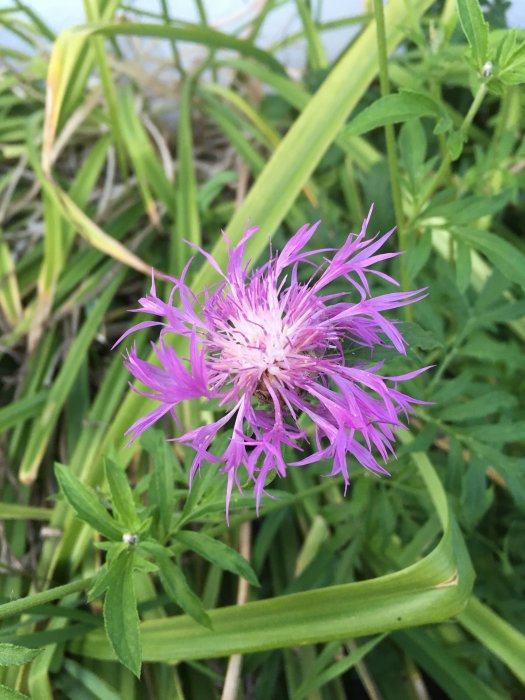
x: 86, y: 504
x: 475, y: 29
x: 14, y: 655
x: 218, y: 553
x: 392, y: 109
x: 121, y: 618
x: 506, y: 257
x: 121, y: 495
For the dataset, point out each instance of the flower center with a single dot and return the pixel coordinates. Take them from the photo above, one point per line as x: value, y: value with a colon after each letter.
x: 256, y: 341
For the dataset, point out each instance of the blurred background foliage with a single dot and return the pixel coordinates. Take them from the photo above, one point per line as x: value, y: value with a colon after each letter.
x: 139, y: 130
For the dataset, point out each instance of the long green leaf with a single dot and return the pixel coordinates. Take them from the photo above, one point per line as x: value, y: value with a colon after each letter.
x: 503, y: 640
x: 86, y: 504
x: 184, y: 31
x: 456, y: 681
x: 176, y: 586
x: 218, y: 553
x: 475, y: 28
x: 121, y: 495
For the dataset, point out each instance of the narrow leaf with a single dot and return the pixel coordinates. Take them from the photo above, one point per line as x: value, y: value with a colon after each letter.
x: 218, y: 553
x: 475, y: 29
x: 392, y: 109
x: 454, y: 679
x: 121, y: 618
x: 93, y: 234
x: 336, y: 669
x: 10, y: 300
x: 121, y: 494
x: 86, y: 504
x: 176, y: 586
x: 503, y: 640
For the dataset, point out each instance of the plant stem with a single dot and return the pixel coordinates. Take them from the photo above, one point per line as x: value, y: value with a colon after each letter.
x: 443, y: 168
x: 391, y: 152
x: 16, y: 607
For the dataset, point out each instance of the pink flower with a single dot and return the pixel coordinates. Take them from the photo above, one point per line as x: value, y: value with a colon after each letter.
x: 271, y: 348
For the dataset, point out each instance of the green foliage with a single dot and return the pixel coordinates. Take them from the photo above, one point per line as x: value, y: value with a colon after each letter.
x: 13, y: 655
x: 475, y: 28
x: 375, y: 590
x: 393, y: 109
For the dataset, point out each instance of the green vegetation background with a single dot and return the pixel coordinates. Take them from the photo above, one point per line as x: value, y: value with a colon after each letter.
x: 113, y: 153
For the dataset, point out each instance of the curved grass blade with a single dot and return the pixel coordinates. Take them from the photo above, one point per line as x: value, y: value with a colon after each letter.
x: 503, y: 640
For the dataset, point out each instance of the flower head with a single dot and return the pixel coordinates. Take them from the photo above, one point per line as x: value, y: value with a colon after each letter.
x: 271, y: 349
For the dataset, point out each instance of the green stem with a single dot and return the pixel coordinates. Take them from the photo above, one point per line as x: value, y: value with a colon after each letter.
x: 458, y: 340
x: 17, y: 607
x: 391, y: 152
x: 443, y: 168
x: 174, y: 50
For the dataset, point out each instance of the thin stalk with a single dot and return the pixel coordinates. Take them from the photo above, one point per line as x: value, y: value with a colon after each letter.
x: 351, y: 190
x: 17, y: 607
x: 174, y: 50
x: 443, y: 168
x: 453, y: 350
x: 391, y: 152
